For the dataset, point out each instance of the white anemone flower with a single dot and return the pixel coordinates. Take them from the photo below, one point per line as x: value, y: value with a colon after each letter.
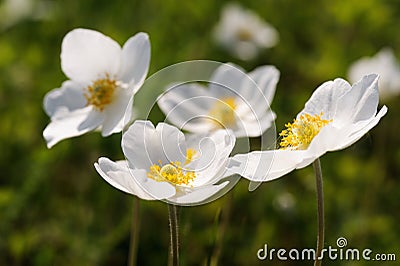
x: 335, y: 117
x: 386, y: 65
x: 163, y: 164
x: 233, y: 100
x: 102, y: 81
x: 243, y: 32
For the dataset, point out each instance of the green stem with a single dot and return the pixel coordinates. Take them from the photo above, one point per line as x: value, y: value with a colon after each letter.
x: 320, y: 209
x: 134, y: 232
x: 223, y: 224
x: 174, y: 233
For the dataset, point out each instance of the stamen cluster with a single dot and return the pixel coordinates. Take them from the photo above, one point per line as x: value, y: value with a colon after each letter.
x: 100, y: 93
x: 299, y: 134
x: 173, y: 172
x: 223, y: 112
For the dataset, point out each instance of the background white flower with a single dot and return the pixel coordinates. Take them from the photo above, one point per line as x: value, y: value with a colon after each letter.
x: 243, y: 32
x: 336, y: 116
x: 233, y: 99
x: 383, y: 63
x: 163, y: 164
x: 103, y: 79
x: 14, y: 11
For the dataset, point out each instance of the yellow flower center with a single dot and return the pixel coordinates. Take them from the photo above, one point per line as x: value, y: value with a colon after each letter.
x: 101, y: 92
x: 190, y: 154
x: 173, y: 172
x: 223, y: 112
x: 244, y: 34
x: 299, y: 134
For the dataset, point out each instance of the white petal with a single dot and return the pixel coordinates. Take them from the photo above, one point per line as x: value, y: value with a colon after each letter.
x: 172, y: 143
x: 266, y: 77
x: 65, y: 99
x: 135, y: 60
x: 383, y: 63
x: 307, y: 159
x: 72, y: 124
x: 114, y: 113
x: 226, y: 81
x: 198, y: 196
x: 88, y: 55
x: 187, y: 106
x: 328, y: 138
x: 117, y: 174
x: 245, y: 50
x: 356, y: 135
x: 262, y: 166
x: 325, y: 98
x: 253, y: 126
x: 214, y: 151
x: 235, y: 20
x: 253, y: 93
x: 157, y: 190
x: 331, y: 138
x: 267, y: 35
x: 362, y: 67
x: 360, y: 103
x: 144, y: 145
x: 254, y: 108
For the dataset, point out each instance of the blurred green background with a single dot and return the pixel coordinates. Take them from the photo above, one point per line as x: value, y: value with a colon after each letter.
x: 56, y: 210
